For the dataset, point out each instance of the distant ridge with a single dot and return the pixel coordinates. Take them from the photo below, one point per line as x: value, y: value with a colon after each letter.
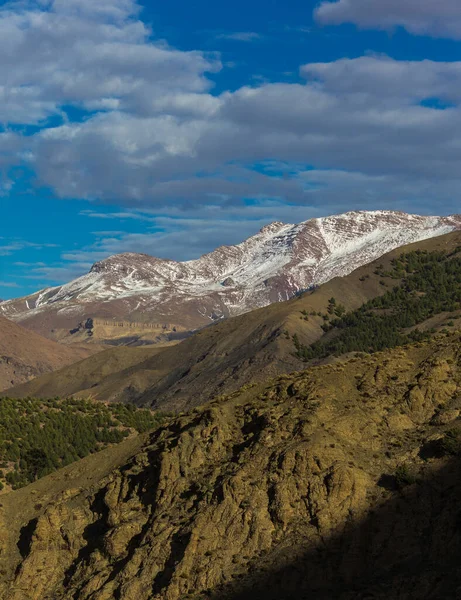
x: 271, y: 266
x: 25, y: 355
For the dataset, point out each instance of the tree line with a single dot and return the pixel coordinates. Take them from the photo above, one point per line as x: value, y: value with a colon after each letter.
x: 39, y: 436
x: 430, y: 283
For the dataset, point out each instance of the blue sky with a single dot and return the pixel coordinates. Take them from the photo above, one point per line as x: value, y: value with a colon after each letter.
x: 174, y: 127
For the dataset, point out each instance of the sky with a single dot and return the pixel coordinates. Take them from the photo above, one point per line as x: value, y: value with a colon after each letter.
x: 171, y: 128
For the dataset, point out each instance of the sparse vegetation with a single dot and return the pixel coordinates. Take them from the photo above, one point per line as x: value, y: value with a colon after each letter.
x: 404, y: 476
x: 40, y: 436
x: 449, y: 444
x: 430, y: 285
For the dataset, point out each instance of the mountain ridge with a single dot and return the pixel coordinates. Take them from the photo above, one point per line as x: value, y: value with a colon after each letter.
x: 272, y: 266
x: 229, y: 354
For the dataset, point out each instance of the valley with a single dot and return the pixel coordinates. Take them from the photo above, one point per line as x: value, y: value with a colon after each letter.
x: 300, y: 450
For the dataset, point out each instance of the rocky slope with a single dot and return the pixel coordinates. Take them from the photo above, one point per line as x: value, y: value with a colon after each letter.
x: 25, y: 355
x: 336, y: 482
x: 269, y: 267
x: 221, y: 358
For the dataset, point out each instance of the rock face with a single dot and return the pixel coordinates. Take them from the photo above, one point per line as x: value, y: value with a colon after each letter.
x: 271, y: 266
x: 311, y: 487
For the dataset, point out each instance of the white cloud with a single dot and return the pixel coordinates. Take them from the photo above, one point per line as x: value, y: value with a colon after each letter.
x: 120, y: 216
x: 438, y: 18
x: 158, y: 137
x: 364, y: 115
x: 240, y: 36
x: 12, y: 246
x: 95, y: 55
x: 11, y: 149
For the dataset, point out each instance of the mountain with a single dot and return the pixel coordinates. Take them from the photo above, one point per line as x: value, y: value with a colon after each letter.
x: 128, y: 298
x: 342, y: 481
x: 25, y: 354
x: 237, y: 351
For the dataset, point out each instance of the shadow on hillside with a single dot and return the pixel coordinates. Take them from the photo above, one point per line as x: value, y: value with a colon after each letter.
x: 409, y: 548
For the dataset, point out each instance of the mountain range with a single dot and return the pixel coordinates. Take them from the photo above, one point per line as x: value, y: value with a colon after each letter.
x: 307, y: 449
x: 234, y: 352
x: 136, y: 298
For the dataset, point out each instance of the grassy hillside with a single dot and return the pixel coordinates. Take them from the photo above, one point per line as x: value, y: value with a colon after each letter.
x: 341, y: 481
x: 85, y: 376
x: 38, y: 437
x: 222, y: 358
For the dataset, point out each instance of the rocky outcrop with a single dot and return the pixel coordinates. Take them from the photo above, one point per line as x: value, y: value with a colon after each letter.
x: 311, y: 487
x: 228, y: 282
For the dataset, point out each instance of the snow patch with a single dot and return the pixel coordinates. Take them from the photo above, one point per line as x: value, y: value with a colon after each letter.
x: 278, y: 261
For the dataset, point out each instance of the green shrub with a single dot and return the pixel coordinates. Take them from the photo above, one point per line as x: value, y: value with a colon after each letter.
x: 40, y: 436
x: 404, y: 476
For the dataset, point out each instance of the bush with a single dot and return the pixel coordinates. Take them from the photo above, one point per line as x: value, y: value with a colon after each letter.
x: 404, y: 476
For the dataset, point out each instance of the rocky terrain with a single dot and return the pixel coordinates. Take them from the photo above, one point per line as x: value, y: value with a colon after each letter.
x: 25, y: 355
x: 341, y: 481
x: 221, y: 358
x: 178, y: 297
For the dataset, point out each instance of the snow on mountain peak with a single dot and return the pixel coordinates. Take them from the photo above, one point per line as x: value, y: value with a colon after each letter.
x: 273, y: 227
x: 270, y: 266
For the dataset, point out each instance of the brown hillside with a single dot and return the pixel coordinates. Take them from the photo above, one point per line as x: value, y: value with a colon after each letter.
x: 84, y: 376
x: 337, y: 482
x: 25, y: 355
x: 222, y: 358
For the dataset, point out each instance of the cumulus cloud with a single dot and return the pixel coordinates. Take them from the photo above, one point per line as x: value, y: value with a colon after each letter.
x: 438, y: 18
x: 151, y: 132
x: 367, y: 115
x: 94, y: 55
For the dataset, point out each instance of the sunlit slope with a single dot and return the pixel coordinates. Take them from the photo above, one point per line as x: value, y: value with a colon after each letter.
x: 341, y: 481
x: 221, y: 358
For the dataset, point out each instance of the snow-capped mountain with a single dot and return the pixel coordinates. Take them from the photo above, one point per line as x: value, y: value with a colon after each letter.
x: 270, y: 266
